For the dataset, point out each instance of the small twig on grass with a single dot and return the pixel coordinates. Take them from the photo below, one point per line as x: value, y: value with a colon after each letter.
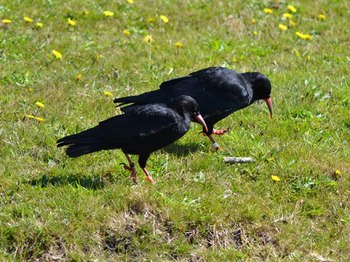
x: 233, y: 160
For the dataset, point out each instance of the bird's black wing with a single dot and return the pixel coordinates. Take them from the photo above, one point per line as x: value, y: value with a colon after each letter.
x: 186, y: 85
x: 144, y: 130
x: 145, y: 120
x: 215, y: 89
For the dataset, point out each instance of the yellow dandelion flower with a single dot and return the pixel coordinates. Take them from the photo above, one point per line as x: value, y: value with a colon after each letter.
x: 321, y: 17
x: 108, y: 13
x: 255, y: 33
x: 39, y: 25
x: 30, y: 116
x: 6, y: 21
x: 253, y: 21
x: 78, y: 77
x: 148, y: 39
x: 292, y: 23
x: 337, y: 173
x: 39, y: 104
x: 179, y: 44
x: 71, y: 22
x: 282, y: 27
x: 151, y: 20
x: 130, y: 1
x: 57, y: 54
x: 303, y: 36
x: 292, y: 8
x: 27, y: 19
x: 164, y: 19
x: 107, y: 93
x: 275, y: 178
x: 40, y: 119
x: 268, y: 10
x: 126, y: 32
x: 287, y: 16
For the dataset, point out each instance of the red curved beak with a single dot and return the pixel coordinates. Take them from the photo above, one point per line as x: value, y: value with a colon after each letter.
x: 200, y: 120
x: 269, y: 105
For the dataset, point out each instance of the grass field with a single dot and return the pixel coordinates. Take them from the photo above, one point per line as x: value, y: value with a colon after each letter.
x: 53, y: 208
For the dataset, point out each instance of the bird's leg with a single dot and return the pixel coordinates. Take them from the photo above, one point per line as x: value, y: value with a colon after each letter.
x: 215, y: 145
x: 209, y: 135
x: 148, y: 176
x: 131, y: 168
x: 220, y: 131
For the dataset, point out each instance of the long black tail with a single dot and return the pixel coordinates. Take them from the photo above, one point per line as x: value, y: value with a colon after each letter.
x: 82, y: 143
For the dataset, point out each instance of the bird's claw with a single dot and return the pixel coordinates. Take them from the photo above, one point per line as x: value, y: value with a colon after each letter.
x: 132, y: 172
x: 150, y: 179
x: 216, y: 132
x: 133, y: 177
x: 220, y: 131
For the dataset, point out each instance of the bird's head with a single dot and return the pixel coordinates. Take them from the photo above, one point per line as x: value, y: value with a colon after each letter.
x: 187, y: 105
x: 261, y: 86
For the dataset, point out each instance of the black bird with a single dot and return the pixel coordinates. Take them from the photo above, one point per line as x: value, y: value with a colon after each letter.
x: 218, y: 91
x: 142, y: 131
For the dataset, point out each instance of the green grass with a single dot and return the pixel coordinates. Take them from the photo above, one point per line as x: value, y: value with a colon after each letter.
x: 56, y: 208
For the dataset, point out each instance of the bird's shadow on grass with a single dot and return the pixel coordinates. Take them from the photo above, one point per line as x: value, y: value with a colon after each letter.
x: 88, y: 182
x: 182, y: 149
x: 97, y: 182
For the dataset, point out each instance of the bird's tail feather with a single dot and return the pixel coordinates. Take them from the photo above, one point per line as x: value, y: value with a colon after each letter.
x: 80, y: 150
x: 82, y: 143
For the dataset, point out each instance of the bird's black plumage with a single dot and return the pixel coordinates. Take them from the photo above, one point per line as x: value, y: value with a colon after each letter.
x: 141, y: 131
x: 218, y: 91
